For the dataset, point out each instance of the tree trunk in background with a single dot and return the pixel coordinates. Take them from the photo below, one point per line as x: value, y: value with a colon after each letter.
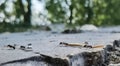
x: 21, y: 6
x: 71, y: 14
x: 89, y: 14
x: 89, y: 11
x: 71, y: 11
x: 27, y: 15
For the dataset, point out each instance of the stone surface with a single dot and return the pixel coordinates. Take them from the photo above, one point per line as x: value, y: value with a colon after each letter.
x: 47, y: 44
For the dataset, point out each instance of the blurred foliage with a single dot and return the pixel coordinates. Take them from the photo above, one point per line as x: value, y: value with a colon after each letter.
x: 15, y: 17
x: 69, y: 12
x: 23, y: 13
x: 79, y: 12
x: 56, y: 11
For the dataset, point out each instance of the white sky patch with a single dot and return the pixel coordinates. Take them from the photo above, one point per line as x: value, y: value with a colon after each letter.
x: 1, y: 1
x: 38, y: 7
x: 1, y: 17
x: 9, y: 6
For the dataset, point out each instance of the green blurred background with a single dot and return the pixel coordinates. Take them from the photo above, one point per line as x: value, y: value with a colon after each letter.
x: 68, y: 12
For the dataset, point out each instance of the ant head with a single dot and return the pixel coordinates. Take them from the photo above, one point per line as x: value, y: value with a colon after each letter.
x: 60, y: 43
x: 63, y: 43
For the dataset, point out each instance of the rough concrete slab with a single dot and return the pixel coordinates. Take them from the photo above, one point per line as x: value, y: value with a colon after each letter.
x: 48, y: 44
